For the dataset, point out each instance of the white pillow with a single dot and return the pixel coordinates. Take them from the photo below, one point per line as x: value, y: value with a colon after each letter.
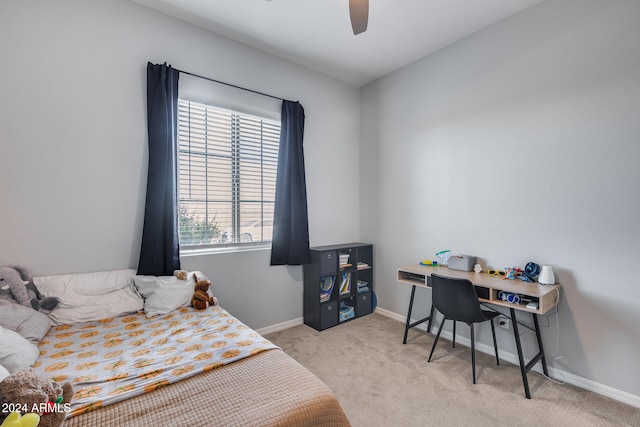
x: 16, y: 352
x: 86, y: 297
x: 3, y: 373
x: 98, y: 283
x: 163, y: 294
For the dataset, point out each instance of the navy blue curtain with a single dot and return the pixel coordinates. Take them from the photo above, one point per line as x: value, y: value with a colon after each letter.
x: 160, y: 252
x: 290, y: 245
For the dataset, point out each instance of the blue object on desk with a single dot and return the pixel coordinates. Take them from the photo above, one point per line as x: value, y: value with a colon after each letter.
x: 531, y: 270
x: 509, y: 297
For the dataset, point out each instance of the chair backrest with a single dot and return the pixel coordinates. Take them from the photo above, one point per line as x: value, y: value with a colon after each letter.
x: 456, y: 299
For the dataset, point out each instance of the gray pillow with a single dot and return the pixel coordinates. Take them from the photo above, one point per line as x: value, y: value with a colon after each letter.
x: 29, y: 323
x: 16, y: 352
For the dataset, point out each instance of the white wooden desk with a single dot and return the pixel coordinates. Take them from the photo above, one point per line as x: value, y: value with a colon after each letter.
x: 488, y: 287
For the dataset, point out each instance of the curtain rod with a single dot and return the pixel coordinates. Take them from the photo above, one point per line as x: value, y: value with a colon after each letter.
x: 229, y: 84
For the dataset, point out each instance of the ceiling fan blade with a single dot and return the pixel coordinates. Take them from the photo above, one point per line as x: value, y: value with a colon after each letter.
x: 359, y: 11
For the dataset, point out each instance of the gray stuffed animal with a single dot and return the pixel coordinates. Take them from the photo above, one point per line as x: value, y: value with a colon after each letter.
x: 16, y: 285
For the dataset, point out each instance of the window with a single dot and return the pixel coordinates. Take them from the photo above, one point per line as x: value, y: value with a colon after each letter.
x: 227, y: 176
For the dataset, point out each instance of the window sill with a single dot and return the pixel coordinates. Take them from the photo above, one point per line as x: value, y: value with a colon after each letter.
x: 224, y: 250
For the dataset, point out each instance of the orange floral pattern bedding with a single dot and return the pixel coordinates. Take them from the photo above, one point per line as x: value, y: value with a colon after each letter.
x: 117, y: 358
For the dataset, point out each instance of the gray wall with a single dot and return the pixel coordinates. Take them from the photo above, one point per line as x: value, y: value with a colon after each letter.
x: 73, y: 143
x: 520, y: 143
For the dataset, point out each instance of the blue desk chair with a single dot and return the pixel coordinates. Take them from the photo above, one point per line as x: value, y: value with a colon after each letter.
x: 457, y: 300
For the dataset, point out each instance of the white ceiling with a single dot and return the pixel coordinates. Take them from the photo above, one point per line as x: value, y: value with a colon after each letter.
x: 317, y: 33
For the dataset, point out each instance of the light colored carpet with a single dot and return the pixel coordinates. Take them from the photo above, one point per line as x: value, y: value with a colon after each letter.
x: 381, y: 382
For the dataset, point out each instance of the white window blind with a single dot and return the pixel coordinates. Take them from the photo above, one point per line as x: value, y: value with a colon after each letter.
x: 227, y: 165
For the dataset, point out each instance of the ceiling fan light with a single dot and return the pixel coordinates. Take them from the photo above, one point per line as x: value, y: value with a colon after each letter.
x: 359, y: 12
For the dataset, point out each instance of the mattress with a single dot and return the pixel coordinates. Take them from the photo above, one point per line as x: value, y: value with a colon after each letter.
x: 268, y: 389
x: 189, y: 367
x: 114, y: 359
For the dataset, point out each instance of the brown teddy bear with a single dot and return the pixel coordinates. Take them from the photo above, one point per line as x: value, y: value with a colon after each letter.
x: 33, y: 394
x: 201, y: 298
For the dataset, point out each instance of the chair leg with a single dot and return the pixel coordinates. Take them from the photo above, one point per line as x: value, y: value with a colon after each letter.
x: 473, y: 354
x: 454, y: 334
x: 495, y: 344
x: 433, y: 347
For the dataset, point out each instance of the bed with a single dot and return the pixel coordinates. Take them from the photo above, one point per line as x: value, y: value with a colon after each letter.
x: 170, y: 364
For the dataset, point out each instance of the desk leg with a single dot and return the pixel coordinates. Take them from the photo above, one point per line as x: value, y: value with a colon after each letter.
x: 539, y: 337
x: 407, y: 325
x: 523, y: 369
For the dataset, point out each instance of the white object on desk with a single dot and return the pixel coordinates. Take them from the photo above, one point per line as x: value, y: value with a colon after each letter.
x: 546, y: 276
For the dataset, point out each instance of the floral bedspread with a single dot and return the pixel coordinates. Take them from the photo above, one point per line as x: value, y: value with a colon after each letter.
x: 117, y: 358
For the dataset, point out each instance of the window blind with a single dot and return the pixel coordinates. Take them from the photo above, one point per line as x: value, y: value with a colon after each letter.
x: 227, y: 163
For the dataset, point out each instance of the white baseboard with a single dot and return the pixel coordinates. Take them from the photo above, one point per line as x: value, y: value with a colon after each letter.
x: 391, y: 314
x: 280, y: 326
x: 567, y: 377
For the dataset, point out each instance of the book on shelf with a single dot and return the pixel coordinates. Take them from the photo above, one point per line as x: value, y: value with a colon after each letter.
x: 346, y: 312
x: 363, y: 265
x: 345, y: 284
x: 362, y: 286
x: 326, y: 287
x: 344, y: 259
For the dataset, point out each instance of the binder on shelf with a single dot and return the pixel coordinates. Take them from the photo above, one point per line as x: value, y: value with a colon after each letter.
x: 326, y: 287
x: 345, y: 284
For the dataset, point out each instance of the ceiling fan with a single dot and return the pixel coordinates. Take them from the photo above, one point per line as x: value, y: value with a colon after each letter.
x: 359, y: 11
